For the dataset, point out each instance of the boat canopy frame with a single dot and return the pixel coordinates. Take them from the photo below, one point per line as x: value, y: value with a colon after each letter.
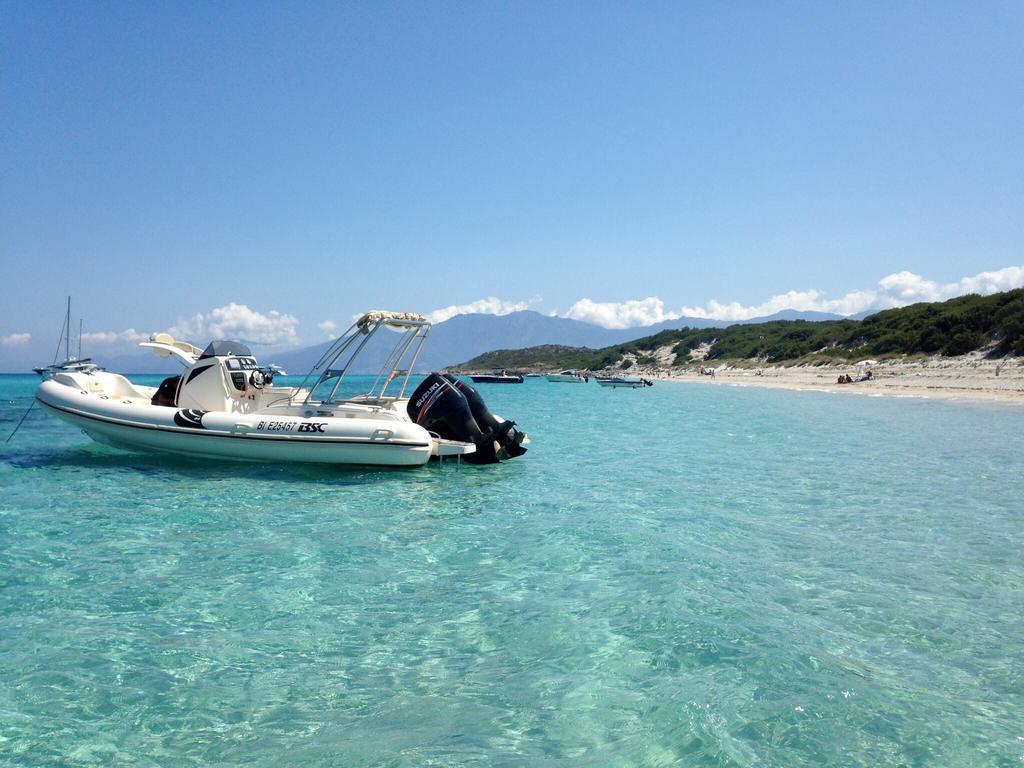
x: 347, y: 347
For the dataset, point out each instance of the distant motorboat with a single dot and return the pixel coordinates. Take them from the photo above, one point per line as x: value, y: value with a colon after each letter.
x: 568, y: 377
x: 632, y: 382
x: 71, y: 363
x: 496, y: 378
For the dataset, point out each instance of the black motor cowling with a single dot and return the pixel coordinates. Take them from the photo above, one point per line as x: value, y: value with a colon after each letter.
x: 512, y: 444
x: 455, y: 411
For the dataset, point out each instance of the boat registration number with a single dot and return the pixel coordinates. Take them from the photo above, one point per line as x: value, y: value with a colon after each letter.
x: 292, y: 426
x: 277, y: 426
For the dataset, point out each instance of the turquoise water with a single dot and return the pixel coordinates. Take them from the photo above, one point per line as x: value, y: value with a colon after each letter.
x: 686, y: 575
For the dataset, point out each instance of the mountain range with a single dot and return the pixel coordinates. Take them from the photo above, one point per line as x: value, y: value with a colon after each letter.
x: 466, y: 336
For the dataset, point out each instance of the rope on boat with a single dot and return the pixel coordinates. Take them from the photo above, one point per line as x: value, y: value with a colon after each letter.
x: 24, y: 416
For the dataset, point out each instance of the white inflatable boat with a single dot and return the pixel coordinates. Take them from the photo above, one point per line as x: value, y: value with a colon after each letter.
x: 225, y: 406
x: 568, y: 377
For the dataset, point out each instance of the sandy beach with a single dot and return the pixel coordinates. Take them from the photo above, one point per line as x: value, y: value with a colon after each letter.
x: 965, y: 378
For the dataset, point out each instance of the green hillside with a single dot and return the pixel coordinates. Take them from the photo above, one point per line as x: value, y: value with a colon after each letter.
x: 991, y: 324
x: 546, y: 356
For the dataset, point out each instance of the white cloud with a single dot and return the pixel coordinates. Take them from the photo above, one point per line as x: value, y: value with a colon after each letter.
x: 329, y: 327
x: 895, y: 290
x: 1005, y: 279
x: 237, y: 321
x: 112, y: 337
x: 625, y: 314
x: 803, y: 301
x: 489, y: 306
x: 15, y: 339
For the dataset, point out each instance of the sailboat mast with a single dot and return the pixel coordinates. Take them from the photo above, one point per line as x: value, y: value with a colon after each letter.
x: 79, y: 338
x: 67, y: 332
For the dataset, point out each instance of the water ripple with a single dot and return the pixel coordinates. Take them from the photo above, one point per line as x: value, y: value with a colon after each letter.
x: 675, y: 576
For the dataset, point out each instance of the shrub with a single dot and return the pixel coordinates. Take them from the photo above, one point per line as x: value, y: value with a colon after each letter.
x: 964, y: 342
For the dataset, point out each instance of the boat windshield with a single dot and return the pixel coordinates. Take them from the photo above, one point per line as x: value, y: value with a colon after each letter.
x: 223, y: 348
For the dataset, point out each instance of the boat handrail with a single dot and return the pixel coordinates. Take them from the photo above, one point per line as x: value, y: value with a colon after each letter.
x: 414, y: 329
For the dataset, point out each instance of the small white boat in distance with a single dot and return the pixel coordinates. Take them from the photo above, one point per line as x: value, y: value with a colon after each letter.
x: 568, y: 377
x: 225, y: 406
x: 502, y: 377
x: 629, y: 382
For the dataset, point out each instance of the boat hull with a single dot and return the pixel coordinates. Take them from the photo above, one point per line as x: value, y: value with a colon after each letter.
x: 562, y: 378
x: 259, y: 437
x: 497, y: 379
x: 621, y: 383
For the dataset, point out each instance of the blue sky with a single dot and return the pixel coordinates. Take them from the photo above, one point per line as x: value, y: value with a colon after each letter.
x: 163, y: 161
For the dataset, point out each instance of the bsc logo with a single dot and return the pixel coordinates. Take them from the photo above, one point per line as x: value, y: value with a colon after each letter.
x: 312, y: 427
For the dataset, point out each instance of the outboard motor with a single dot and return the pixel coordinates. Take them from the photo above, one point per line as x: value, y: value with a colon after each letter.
x: 438, y: 405
x: 512, y: 444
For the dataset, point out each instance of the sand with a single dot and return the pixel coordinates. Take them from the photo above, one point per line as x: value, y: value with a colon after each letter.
x: 964, y: 378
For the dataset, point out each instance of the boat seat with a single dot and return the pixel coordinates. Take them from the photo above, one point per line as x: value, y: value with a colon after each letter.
x: 116, y: 385
x: 184, y: 346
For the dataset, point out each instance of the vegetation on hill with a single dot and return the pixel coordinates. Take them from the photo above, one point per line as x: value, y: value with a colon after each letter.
x: 991, y: 324
x: 546, y: 356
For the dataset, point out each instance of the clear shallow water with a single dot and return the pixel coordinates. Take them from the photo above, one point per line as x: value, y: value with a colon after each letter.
x: 684, y: 575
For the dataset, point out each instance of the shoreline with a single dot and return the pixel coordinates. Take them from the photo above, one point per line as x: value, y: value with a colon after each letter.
x: 961, y: 380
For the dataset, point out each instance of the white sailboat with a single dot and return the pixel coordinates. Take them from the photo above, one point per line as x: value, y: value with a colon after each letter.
x: 71, y: 363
